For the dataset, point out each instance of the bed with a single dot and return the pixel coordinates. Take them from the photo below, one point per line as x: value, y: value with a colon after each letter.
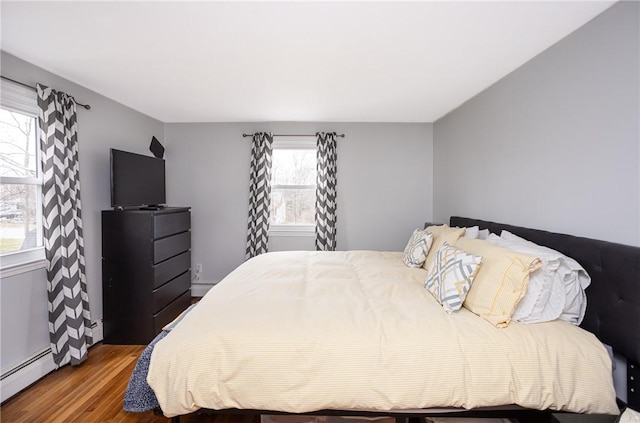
x: 356, y: 333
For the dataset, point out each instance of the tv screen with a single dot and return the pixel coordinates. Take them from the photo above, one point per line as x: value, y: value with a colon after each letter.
x: 136, y: 180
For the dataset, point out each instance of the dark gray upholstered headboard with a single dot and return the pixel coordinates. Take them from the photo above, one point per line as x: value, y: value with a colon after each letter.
x: 613, y: 298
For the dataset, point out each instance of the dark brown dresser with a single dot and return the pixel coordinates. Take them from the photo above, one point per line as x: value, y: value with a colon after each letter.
x: 146, y: 271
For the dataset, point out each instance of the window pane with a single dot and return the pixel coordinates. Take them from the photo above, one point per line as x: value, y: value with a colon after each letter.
x: 18, y: 219
x: 293, y: 167
x: 293, y: 206
x: 17, y: 144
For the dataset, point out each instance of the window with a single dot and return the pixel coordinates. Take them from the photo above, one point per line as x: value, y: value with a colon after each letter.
x: 293, y: 186
x: 20, y: 179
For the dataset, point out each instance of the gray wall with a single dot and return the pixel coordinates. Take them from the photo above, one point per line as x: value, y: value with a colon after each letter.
x: 23, y: 317
x: 384, y: 185
x: 556, y: 143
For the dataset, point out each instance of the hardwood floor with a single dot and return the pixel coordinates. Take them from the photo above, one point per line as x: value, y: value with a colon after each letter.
x: 92, y: 392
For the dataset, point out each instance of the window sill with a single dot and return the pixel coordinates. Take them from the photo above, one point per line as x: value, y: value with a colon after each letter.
x: 292, y: 230
x: 13, y: 264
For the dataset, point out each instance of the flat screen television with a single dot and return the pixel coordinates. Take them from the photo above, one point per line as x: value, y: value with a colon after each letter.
x: 136, y: 180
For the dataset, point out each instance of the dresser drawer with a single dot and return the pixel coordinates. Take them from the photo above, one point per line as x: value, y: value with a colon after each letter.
x: 169, y: 269
x: 170, y: 291
x: 171, y: 223
x: 171, y: 246
x: 171, y: 311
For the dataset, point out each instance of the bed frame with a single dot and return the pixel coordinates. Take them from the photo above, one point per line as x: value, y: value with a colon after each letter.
x: 613, y: 315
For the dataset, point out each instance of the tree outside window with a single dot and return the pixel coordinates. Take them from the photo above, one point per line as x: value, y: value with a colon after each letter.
x: 293, y: 186
x: 19, y: 183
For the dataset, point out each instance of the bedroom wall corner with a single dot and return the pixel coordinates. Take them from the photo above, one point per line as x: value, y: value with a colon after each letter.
x: 555, y: 144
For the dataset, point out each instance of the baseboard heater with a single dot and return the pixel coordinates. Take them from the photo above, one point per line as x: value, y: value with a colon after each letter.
x: 26, y: 363
x: 31, y: 370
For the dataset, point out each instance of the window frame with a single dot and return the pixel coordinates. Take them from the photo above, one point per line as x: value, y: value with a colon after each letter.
x: 18, y: 99
x: 293, y: 229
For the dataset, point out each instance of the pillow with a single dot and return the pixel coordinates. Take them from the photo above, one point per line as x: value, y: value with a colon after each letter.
x: 472, y: 232
x: 483, y: 234
x: 535, y: 306
x: 416, y: 250
x: 500, y: 283
x: 571, y: 280
x: 451, y: 275
x: 441, y: 234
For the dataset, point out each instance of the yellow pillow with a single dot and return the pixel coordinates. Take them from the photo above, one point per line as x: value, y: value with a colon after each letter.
x: 441, y: 234
x: 501, y: 281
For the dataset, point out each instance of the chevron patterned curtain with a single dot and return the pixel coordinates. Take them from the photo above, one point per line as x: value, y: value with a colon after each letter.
x: 259, y: 194
x: 326, y: 192
x: 69, y: 318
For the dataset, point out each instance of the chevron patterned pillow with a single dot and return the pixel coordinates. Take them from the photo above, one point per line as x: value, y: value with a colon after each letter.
x: 415, y: 253
x: 451, y: 275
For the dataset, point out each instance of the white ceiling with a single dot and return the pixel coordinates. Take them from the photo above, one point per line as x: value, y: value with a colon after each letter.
x: 202, y: 61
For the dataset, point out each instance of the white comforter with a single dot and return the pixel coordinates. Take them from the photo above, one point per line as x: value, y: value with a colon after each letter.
x: 305, y: 331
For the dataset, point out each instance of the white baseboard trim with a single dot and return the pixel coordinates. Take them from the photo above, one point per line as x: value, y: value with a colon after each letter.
x: 198, y: 289
x: 35, y: 368
x: 96, y: 330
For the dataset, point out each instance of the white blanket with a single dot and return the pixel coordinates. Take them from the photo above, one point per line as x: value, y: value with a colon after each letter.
x: 305, y: 331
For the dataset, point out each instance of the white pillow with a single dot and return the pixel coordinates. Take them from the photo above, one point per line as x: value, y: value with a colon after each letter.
x: 415, y: 253
x: 535, y: 307
x: 472, y: 232
x: 573, y: 279
x: 483, y: 234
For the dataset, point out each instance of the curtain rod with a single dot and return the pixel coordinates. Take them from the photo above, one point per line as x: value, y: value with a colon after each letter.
x: 293, y: 135
x: 86, y: 106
